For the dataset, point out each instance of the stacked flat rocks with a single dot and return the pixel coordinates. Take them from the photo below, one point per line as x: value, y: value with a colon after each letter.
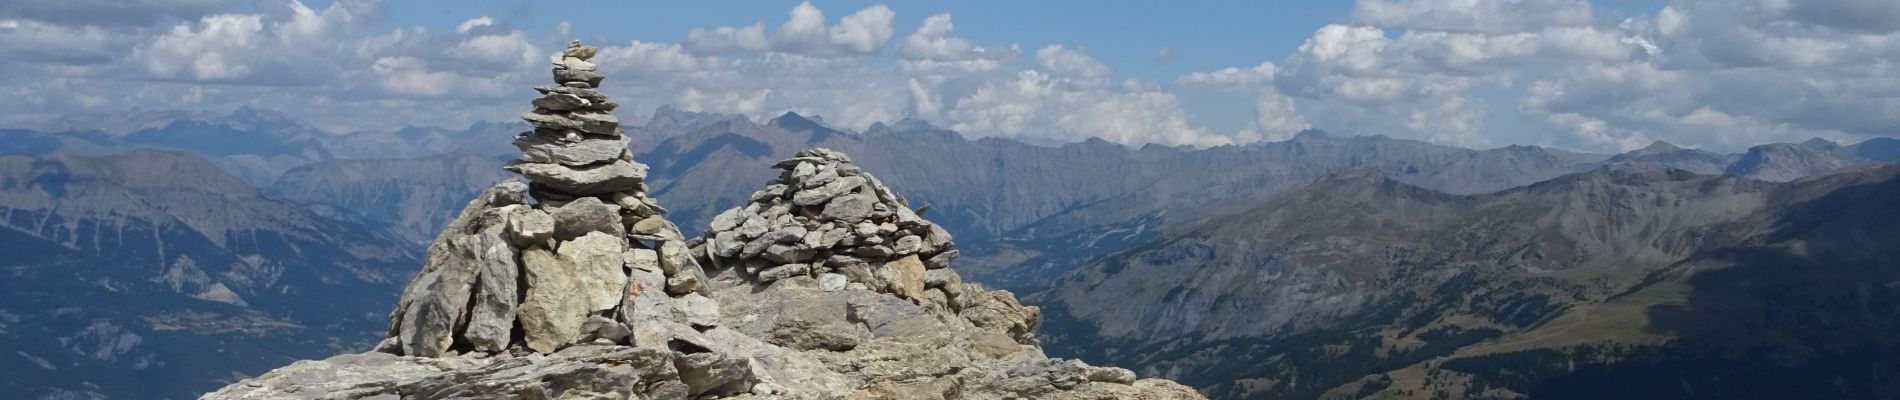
x: 826, y: 218
x: 591, y: 259
x: 852, y: 312
x: 577, y: 148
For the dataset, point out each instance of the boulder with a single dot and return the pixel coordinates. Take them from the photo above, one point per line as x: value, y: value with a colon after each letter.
x: 599, y: 274
x: 906, y: 277
x: 552, y: 308
x: 492, y: 311
x: 828, y: 191
x: 586, y: 215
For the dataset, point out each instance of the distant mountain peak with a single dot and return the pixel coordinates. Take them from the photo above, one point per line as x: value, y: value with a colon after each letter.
x: 1659, y: 147
x: 907, y: 125
x: 793, y: 121
x: 1821, y: 144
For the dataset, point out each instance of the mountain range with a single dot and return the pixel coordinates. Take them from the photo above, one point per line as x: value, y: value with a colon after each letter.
x: 1347, y: 266
x: 156, y: 274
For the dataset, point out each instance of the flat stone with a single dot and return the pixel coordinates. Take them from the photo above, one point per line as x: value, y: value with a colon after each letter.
x: 826, y: 174
x: 875, y: 252
x: 541, y: 148
x: 783, y: 271
x: 567, y: 75
x: 785, y: 253
x: 942, y: 260
x: 561, y: 102
x: 643, y: 260
x: 551, y: 121
x: 909, y: 244
x: 850, y: 208
x: 590, y: 180
x: 769, y: 239
x: 828, y: 191
x: 595, y: 122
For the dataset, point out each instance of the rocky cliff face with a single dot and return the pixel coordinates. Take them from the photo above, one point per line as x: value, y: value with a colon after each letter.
x: 825, y: 285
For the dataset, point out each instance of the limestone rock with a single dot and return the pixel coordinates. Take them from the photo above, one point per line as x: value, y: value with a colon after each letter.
x: 850, y: 208
x: 528, y: 227
x: 541, y: 148
x: 599, y: 276
x: 713, y: 373
x: 783, y: 271
x: 586, y: 215
x: 698, y: 310
x: 576, y: 50
x: 588, y: 180
x: 553, y: 308
x: 825, y: 284
x: 492, y: 314
x: 561, y: 102
x: 906, y: 277
x: 434, y: 305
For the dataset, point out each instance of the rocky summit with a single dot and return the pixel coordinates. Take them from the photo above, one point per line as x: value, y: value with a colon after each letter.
x: 825, y: 285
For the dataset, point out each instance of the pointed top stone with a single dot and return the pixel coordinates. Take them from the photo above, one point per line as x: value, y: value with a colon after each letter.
x: 576, y: 50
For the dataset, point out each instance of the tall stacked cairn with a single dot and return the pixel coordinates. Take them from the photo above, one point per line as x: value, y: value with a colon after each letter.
x: 591, y: 259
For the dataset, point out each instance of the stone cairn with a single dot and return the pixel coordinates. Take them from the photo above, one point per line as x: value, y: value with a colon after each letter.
x: 826, y: 218
x: 592, y: 260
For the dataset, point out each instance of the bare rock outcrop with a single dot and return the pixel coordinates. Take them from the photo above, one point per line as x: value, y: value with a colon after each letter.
x: 545, y: 265
x: 826, y: 285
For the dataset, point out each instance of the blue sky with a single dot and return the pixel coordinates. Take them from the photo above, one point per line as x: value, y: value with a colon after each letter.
x: 1601, y: 76
x: 1126, y: 34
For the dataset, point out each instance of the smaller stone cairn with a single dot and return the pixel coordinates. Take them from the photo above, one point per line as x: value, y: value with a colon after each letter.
x: 826, y: 218
x: 591, y: 260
